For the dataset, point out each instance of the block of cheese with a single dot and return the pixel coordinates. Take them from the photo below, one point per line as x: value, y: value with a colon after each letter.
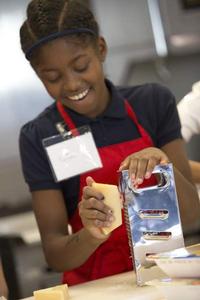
x: 59, y: 292
x: 112, y: 199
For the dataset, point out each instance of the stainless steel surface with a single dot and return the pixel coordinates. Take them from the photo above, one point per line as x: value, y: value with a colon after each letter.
x: 153, y: 220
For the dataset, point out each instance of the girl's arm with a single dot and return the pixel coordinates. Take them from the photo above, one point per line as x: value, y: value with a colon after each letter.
x: 64, y: 251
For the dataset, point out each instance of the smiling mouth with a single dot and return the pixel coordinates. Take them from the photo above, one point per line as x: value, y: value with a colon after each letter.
x: 79, y: 96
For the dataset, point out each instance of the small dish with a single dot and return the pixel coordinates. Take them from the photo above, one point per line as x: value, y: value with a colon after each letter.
x: 179, y: 263
x: 180, y: 268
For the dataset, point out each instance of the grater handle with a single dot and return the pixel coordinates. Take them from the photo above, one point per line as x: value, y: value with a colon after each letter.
x: 164, y: 178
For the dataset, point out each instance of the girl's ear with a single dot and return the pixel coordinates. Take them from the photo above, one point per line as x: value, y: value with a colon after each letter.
x: 102, y: 48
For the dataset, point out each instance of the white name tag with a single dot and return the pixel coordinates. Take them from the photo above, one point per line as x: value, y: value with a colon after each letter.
x: 70, y: 154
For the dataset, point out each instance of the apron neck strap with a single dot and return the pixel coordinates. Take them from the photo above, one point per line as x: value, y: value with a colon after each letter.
x: 132, y: 115
x: 71, y: 125
x: 65, y: 115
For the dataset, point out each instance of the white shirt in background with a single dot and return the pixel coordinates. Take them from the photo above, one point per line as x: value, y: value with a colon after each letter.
x: 189, y: 112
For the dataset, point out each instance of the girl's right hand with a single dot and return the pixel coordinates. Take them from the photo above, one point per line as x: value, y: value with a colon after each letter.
x: 93, y: 212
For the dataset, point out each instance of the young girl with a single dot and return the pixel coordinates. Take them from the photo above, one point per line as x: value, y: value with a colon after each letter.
x: 134, y: 128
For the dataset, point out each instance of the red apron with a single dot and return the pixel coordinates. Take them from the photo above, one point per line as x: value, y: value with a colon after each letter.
x: 113, y: 256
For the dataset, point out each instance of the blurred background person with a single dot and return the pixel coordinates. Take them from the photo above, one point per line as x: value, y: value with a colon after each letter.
x: 189, y: 111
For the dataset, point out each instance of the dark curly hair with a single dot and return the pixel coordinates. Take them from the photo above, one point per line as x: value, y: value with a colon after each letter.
x: 45, y: 17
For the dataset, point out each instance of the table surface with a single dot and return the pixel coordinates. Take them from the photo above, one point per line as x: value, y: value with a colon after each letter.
x: 117, y: 287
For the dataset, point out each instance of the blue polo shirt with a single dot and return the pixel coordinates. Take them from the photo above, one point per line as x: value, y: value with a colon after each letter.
x: 153, y: 104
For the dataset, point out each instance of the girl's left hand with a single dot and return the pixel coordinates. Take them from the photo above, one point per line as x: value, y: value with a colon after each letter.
x: 141, y: 164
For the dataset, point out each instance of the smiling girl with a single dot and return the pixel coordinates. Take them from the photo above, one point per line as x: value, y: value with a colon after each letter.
x: 134, y: 128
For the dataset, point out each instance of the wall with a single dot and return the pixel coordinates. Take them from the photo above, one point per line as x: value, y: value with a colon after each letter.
x: 176, y: 72
x: 22, y: 97
x: 127, y: 29
x: 132, y: 56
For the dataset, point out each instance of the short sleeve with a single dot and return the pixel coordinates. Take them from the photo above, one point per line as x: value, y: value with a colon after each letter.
x: 35, y: 165
x: 156, y: 110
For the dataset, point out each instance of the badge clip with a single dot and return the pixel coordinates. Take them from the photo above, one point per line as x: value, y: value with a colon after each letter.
x: 61, y: 129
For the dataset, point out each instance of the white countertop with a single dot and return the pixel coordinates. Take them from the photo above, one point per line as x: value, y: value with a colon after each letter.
x: 117, y: 287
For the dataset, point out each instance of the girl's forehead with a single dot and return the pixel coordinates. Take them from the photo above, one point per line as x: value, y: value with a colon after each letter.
x: 63, y: 49
x: 67, y: 44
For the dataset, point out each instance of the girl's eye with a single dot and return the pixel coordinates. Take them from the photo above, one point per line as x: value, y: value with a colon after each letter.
x: 51, y: 77
x: 81, y: 68
x: 53, y: 80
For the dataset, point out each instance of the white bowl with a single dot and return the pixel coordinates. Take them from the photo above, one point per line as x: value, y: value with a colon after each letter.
x: 178, y: 289
x: 179, y: 263
x: 180, y: 267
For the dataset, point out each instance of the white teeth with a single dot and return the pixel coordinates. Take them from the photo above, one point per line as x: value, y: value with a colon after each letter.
x: 79, y: 96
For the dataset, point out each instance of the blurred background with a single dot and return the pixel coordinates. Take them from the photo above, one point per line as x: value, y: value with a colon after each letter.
x: 148, y: 41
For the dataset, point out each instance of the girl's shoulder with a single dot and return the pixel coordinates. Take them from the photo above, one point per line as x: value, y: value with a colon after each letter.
x: 43, y: 125
x: 148, y: 99
x: 148, y: 92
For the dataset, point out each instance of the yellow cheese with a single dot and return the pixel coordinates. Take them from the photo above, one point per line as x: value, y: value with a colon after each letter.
x: 59, y: 292
x: 49, y: 295
x: 112, y: 199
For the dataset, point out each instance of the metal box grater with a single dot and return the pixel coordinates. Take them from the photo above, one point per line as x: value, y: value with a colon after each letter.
x: 152, y: 220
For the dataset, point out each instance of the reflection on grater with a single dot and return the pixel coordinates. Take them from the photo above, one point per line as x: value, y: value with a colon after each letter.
x: 152, y: 220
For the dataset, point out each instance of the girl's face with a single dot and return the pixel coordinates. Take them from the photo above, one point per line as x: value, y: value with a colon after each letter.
x: 73, y: 73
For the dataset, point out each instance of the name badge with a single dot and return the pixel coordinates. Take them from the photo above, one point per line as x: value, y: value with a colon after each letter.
x: 72, y: 153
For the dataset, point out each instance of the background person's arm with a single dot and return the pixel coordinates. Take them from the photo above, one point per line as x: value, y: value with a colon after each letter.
x: 195, y: 169
x: 187, y: 194
x: 3, y: 285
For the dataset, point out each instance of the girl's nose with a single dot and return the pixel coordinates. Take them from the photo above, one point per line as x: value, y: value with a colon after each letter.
x: 71, y: 83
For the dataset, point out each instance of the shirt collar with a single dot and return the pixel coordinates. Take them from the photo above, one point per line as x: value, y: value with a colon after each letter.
x: 116, y: 107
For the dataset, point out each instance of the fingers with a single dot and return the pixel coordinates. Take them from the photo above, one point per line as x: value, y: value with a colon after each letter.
x: 140, y: 169
x: 89, y: 181
x: 98, y: 218
x: 142, y: 163
x: 150, y: 166
x: 125, y: 164
x: 164, y: 161
x: 93, y: 203
x: 92, y: 209
x: 94, y: 212
x: 89, y: 192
